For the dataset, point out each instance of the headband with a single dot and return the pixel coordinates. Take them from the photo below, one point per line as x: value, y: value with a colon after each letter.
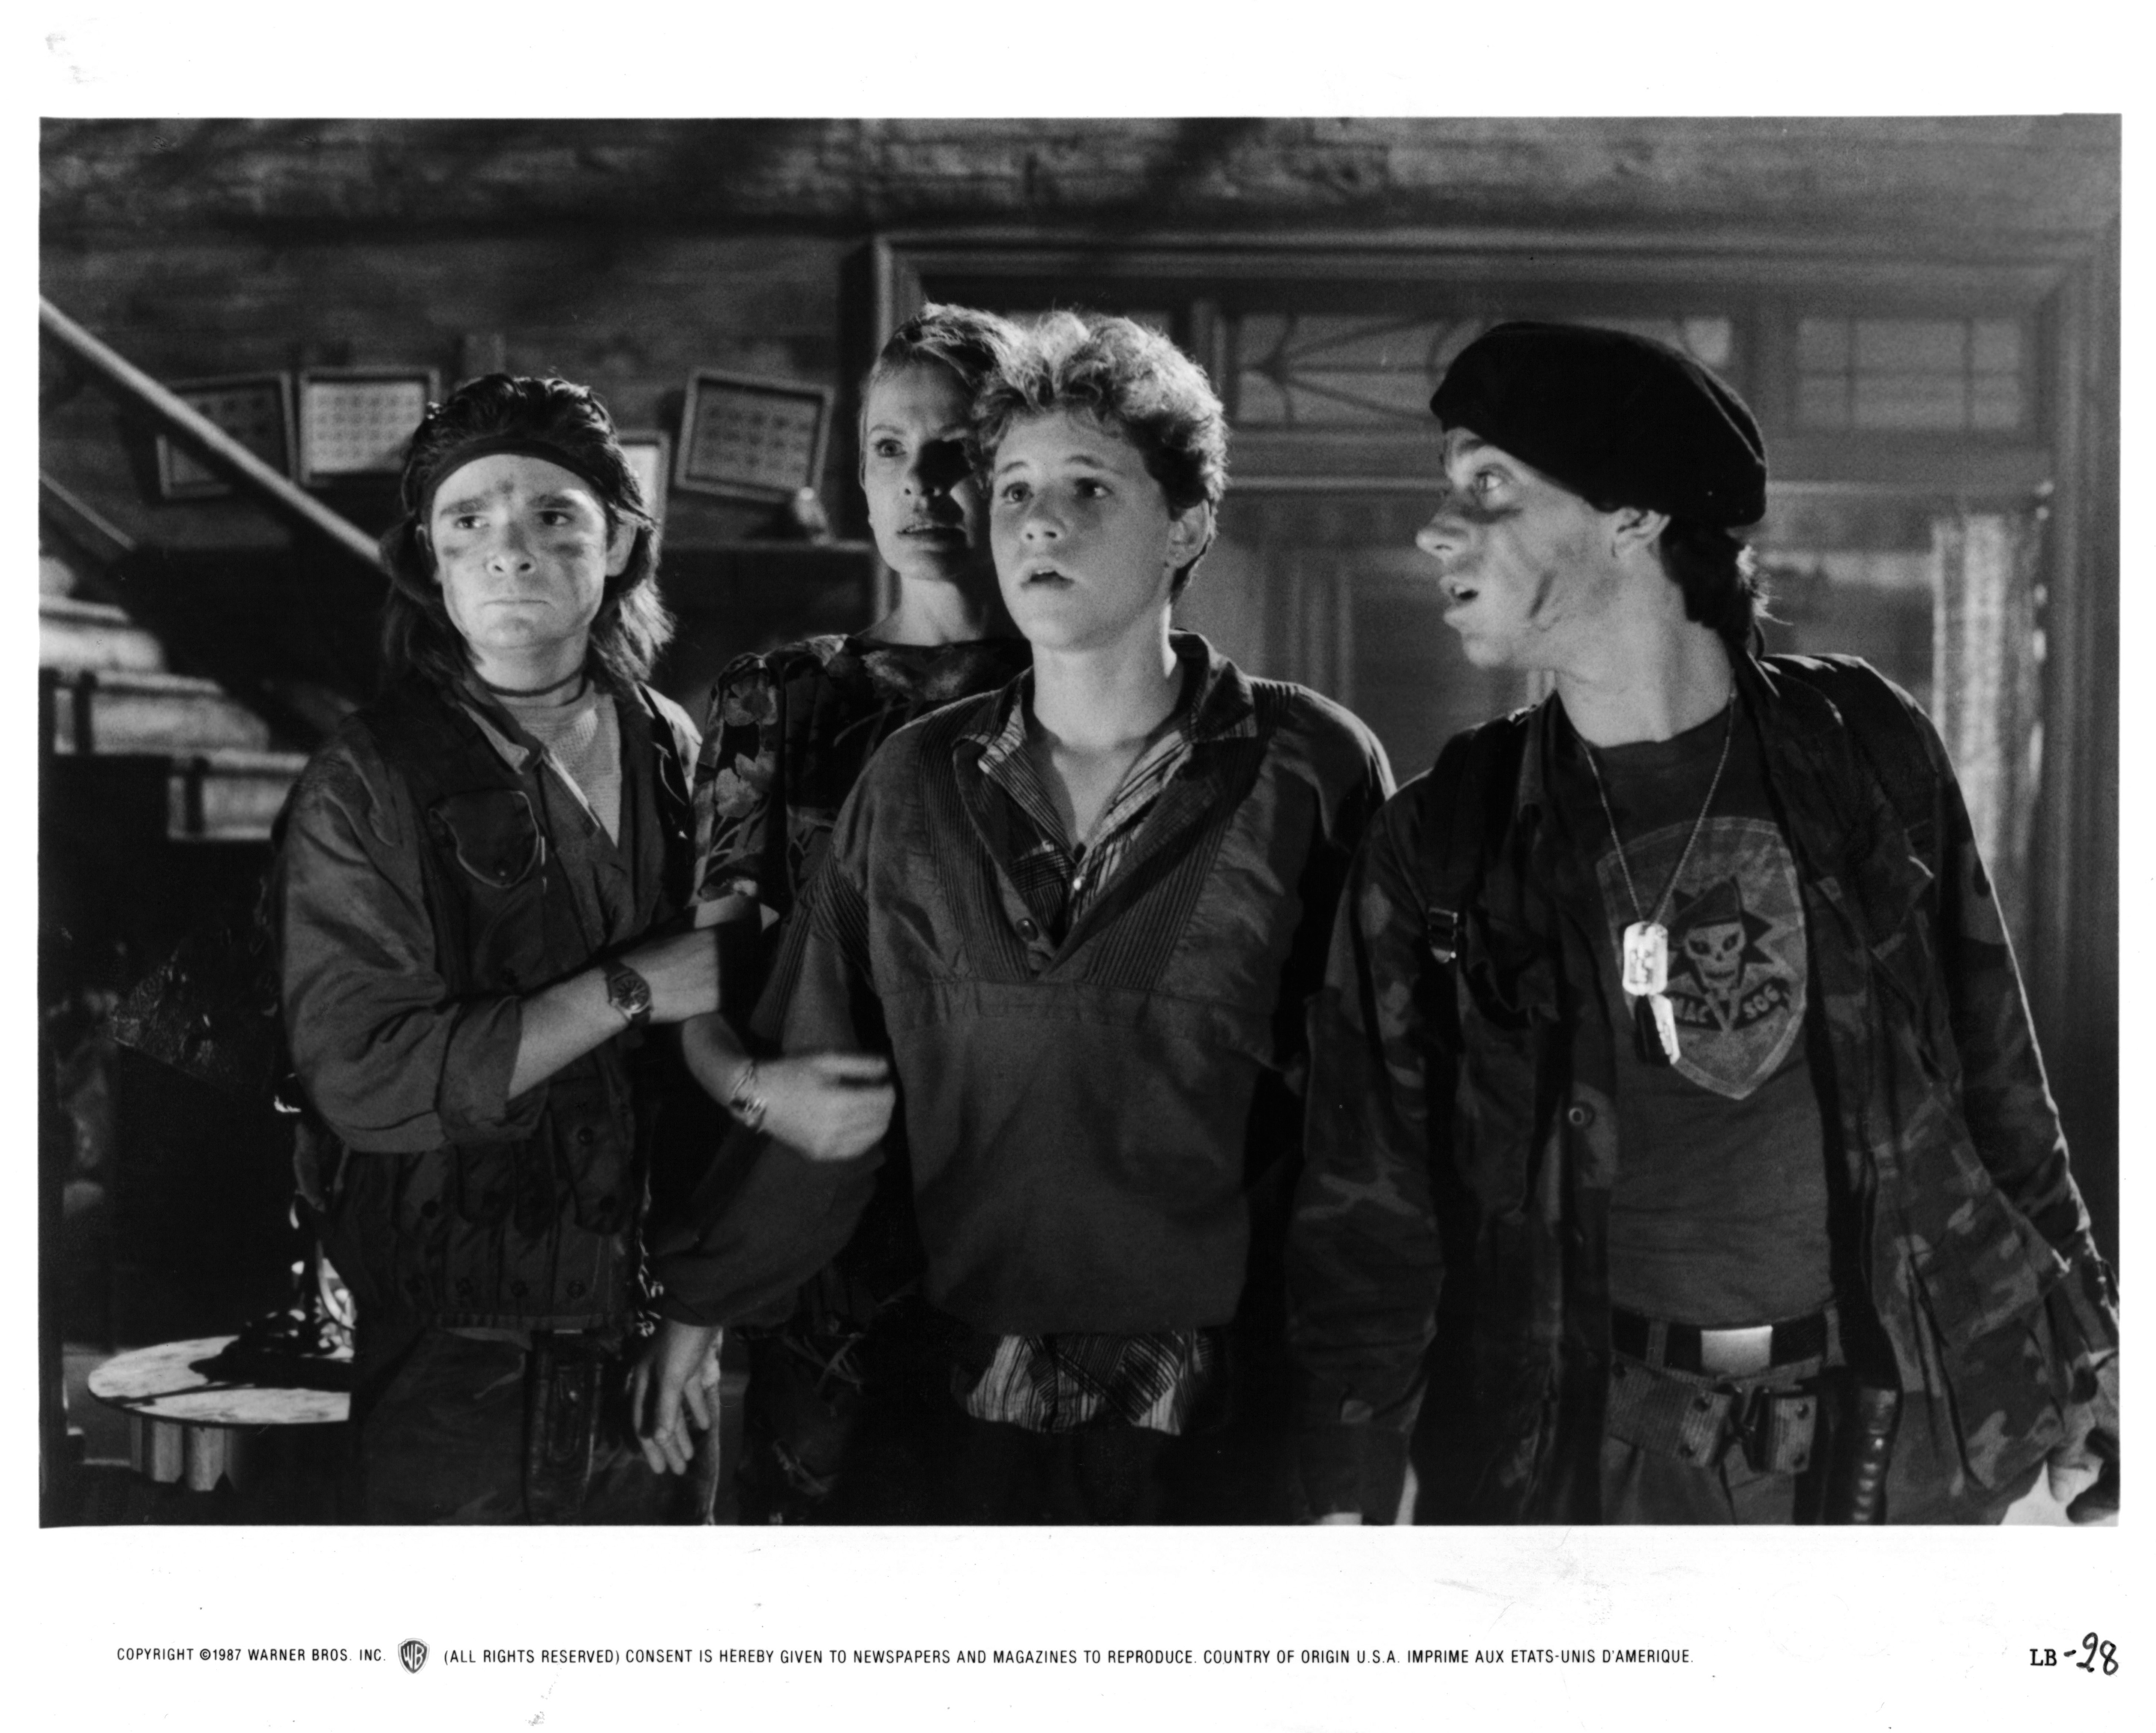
x: 494, y: 444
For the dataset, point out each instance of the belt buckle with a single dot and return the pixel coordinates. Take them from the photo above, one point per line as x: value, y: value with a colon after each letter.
x: 1737, y: 1353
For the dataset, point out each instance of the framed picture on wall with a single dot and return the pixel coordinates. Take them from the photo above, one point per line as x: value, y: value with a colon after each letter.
x: 649, y: 454
x: 751, y: 439
x: 254, y: 409
x: 354, y: 422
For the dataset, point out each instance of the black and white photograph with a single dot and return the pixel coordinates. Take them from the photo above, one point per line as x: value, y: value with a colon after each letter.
x: 945, y: 876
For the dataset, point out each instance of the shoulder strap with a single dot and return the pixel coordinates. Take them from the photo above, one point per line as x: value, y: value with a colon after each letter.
x: 1886, y: 734
x: 674, y: 800
x: 1475, y: 771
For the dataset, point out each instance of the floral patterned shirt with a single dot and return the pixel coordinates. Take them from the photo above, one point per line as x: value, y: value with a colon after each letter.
x: 788, y: 732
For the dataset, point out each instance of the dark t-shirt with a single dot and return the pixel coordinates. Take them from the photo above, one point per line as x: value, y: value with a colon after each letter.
x: 1719, y: 1213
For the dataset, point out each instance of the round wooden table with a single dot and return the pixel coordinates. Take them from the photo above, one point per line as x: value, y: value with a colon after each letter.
x: 184, y: 1426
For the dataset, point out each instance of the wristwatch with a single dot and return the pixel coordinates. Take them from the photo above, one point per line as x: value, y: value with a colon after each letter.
x: 629, y: 994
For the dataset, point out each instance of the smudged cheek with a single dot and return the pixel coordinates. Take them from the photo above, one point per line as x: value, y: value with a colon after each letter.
x: 1547, y: 601
x: 1562, y: 586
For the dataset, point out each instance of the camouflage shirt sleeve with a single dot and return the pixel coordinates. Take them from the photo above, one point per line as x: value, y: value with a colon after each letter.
x: 741, y: 822
x: 2006, y: 1101
x: 1364, y: 1261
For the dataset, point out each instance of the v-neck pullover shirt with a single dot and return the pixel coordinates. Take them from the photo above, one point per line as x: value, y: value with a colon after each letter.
x: 1084, y: 1116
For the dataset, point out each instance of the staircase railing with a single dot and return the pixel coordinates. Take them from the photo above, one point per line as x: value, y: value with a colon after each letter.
x: 202, y: 438
x: 299, y: 655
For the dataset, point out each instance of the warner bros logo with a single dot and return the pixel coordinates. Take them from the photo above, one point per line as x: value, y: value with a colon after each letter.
x: 413, y: 1655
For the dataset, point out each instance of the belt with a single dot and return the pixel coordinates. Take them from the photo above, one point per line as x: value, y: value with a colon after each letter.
x: 1724, y: 1353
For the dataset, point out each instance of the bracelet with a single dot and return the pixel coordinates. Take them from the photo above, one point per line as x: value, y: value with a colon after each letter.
x: 744, y: 1103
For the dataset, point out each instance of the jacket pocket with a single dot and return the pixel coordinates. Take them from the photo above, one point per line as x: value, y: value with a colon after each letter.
x: 2006, y: 1386
x: 1506, y: 973
x: 408, y: 1229
x: 1507, y: 1000
x: 492, y: 834
x: 593, y: 1149
x: 1982, y: 1264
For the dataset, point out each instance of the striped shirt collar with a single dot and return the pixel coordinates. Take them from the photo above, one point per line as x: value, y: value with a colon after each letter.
x: 1221, y: 708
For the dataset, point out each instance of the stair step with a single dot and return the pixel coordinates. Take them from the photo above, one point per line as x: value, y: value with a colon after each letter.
x: 228, y: 796
x: 77, y: 634
x: 123, y: 712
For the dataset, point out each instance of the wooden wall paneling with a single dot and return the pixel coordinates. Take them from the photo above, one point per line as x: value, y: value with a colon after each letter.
x: 631, y: 314
x: 2057, y: 173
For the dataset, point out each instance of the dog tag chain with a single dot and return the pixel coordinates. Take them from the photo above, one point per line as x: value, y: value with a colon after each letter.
x: 1645, y: 972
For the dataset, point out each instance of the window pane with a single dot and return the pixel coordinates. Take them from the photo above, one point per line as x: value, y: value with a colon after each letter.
x: 1910, y: 375
x: 1260, y: 401
x: 1354, y: 370
x: 1823, y: 403
x: 1911, y: 401
x: 1995, y: 346
x: 1822, y: 345
x: 1713, y: 341
x: 1995, y: 404
x: 1912, y: 344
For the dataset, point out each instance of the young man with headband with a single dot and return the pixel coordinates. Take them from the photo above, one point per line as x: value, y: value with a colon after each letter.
x: 472, y: 871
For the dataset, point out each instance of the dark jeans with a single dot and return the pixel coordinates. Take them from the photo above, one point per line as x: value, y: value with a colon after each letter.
x: 1111, y: 1474
x: 456, y: 1429
x: 845, y: 1418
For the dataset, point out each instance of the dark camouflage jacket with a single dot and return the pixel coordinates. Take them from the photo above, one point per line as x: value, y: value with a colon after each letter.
x: 1463, y: 1135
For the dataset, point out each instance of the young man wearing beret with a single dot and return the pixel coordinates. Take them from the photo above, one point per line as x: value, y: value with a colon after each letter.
x: 1672, y: 1068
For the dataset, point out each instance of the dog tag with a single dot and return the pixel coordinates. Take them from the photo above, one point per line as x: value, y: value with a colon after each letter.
x: 1646, y: 959
x: 1665, y: 1023
x: 1654, y: 1029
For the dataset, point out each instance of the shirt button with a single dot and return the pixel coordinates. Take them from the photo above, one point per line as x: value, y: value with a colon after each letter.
x: 584, y: 1134
x: 1579, y: 1115
x: 1029, y: 928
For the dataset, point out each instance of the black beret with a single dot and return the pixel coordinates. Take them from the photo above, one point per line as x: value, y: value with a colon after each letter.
x: 1617, y: 418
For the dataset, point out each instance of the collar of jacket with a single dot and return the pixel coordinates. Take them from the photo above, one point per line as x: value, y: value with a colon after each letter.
x: 1785, y: 711
x: 514, y: 747
x: 1840, y: 824
x: 1222, y: 707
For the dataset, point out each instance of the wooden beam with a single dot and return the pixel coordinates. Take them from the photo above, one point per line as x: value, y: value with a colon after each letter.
x: 136, y: 390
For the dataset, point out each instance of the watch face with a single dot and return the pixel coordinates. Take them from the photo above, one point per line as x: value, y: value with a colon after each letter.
x: 628, y: 992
